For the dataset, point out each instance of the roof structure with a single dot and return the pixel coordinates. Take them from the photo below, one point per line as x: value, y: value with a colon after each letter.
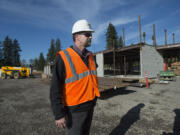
x: 169, y: 46
x: 137, y: 47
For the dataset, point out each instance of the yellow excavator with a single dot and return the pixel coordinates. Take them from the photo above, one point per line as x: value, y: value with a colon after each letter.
x: 14, y: 72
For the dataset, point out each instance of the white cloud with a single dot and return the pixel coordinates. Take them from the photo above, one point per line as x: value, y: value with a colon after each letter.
x: 57, y: 12
x: 80, y: 9
x: 61, y: 14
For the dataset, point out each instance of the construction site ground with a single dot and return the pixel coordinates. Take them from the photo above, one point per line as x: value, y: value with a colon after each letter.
x: 25, y: 109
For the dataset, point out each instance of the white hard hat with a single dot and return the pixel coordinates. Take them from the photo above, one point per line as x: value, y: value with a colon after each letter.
x: 81, y: 25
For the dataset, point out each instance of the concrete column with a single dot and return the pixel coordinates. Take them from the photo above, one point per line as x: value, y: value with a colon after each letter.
x: 100, y: 62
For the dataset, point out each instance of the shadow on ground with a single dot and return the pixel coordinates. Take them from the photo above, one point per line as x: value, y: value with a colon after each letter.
x: 111, y: 93
x: 176, y: 128
x: 127, y: 120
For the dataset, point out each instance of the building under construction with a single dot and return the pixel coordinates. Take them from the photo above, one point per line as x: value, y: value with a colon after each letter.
x: 135, y: 61
x: 132, y: 61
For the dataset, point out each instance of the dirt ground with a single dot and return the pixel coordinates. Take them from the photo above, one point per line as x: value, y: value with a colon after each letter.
x: 25, y: 110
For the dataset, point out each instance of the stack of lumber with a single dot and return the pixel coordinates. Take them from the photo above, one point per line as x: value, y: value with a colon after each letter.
x: 176, y: 67
x: 150, y: 81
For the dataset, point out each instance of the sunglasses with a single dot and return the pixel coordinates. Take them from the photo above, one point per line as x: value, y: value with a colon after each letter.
x: 86, y: 34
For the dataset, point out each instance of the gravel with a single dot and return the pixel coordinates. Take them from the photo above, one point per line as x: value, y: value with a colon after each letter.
x: 25, y: 110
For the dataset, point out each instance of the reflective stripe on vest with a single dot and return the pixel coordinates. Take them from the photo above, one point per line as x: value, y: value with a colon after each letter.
x: 76, y: 76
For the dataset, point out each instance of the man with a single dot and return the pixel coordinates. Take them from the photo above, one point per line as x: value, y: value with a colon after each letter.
x: 74, y: 85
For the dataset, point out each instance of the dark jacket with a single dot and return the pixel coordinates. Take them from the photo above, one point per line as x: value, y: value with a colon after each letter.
x: 57, y: 84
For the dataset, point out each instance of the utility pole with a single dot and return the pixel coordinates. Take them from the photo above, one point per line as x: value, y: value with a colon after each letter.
x: 144, y: 36
x: 140, y: 32
x: 165, y: 31
x: 154, y: 36
x: 173, y: 38
x: 123, y: 37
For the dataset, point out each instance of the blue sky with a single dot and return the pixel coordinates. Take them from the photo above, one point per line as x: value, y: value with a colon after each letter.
x: 35, y: 22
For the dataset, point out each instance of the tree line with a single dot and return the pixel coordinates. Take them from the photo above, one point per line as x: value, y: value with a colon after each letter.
x: 10, y: 52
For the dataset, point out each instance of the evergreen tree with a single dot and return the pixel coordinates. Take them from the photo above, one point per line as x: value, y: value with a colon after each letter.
x: 120, y: 43
x: 41, y: 62
x: 16, y: 53
x: 1, y: 51
x: 1, y: 55
x: 51, y: 53
x: 58, y: 45
x: 36, y: 63
x: 7, y: 51
x: 111, y: 37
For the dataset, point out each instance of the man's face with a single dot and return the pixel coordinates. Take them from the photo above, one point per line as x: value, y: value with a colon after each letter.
x: 85, y: 38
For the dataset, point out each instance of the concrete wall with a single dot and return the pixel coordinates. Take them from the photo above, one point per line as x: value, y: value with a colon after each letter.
x: 151, y: 61
x: 100, y: 62
x: 47, y: 70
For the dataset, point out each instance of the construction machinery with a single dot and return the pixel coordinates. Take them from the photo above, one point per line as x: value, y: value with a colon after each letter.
x: 14, y: 72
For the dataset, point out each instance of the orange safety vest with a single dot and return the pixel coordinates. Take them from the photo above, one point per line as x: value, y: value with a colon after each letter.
x: 81, y: 83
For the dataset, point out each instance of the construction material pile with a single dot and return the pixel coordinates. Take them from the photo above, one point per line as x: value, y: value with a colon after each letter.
x: 176, y: 68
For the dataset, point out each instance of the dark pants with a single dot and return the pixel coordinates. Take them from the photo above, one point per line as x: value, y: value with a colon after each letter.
x: 79, y: 123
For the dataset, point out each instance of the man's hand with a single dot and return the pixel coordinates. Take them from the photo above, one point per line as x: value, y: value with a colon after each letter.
x: 61, y: 122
